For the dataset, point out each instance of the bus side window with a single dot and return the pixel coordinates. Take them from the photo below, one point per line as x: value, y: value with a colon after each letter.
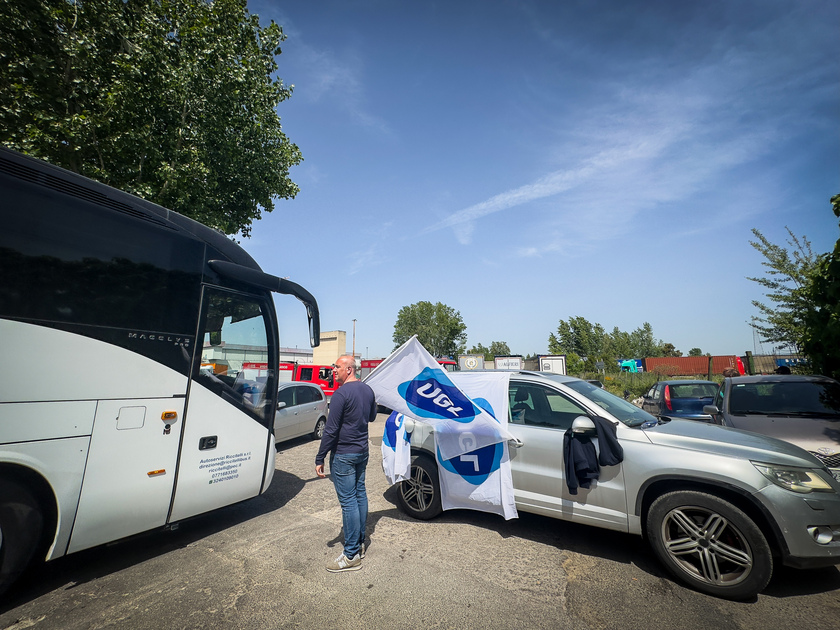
x: 233, y: 326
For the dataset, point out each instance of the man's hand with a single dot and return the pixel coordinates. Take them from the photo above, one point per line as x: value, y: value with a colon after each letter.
x: 319, y: 470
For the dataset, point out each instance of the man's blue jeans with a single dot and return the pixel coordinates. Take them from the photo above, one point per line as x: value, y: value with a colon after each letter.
x: 348, y: 475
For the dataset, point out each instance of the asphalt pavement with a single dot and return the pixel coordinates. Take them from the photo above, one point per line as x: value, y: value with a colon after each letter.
x: 260, y: 564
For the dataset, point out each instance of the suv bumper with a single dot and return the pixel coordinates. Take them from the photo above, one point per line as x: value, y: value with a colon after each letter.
x: 808, y: 526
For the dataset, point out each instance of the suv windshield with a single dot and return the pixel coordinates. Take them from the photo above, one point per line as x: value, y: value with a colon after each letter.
x: 627, y: 412
x: 788, y: 397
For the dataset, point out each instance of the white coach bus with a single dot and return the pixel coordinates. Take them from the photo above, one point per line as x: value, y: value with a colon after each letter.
x: 108, y: 425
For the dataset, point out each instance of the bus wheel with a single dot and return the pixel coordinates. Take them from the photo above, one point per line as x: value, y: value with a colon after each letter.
x: 21, y: 524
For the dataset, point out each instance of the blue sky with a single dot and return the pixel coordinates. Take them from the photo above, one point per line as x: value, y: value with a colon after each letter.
x: 527, y: 162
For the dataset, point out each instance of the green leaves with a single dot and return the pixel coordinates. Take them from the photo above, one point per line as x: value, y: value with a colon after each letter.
x: 821, y: 323
x: 173, y: 100
x: 585, y: 343
x: 496, y: 349
x: 438, y: 327
x: 786, y: 286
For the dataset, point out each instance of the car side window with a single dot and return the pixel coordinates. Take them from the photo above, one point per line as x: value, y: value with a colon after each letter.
x: 307, y: 395
x: 657, y: 392
x: 286, y: 395
x: 535, y: 405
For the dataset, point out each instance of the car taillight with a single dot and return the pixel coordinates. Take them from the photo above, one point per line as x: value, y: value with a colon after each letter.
x: 668, y: 398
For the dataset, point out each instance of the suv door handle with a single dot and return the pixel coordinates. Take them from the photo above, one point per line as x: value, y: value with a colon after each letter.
x: 516, y: 443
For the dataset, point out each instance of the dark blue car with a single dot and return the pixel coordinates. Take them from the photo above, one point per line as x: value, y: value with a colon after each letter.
x: 680, y: 399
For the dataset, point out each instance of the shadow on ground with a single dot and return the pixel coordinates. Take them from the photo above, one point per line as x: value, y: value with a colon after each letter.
x: 84, y: 566
x: 619, y: 547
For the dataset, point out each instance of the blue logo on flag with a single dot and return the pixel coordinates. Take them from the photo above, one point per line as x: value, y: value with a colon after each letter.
x: 476, y: 466
x: 432, y: 395
x: 392, y: 425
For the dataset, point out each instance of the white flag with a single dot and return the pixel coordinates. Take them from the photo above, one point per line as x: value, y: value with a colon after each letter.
x: 396, y: 449
x: 411, y: 382
x: 481, y: 479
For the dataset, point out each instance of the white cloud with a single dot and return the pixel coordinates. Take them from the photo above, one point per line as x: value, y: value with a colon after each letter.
x: 648, y: 146
x: 340, y: 81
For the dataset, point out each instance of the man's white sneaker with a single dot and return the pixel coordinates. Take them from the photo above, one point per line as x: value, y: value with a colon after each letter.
x: 342, y: 563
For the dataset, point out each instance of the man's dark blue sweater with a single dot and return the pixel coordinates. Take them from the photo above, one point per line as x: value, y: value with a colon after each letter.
x: 352, y: 408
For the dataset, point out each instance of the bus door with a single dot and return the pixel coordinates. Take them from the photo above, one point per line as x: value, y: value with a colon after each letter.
x: 227, y: 451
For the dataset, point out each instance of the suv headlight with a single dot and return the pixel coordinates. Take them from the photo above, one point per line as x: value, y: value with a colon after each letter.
x: 801, y: 480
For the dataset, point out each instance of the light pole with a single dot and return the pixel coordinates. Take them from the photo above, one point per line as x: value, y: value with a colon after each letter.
x: 354, y: 339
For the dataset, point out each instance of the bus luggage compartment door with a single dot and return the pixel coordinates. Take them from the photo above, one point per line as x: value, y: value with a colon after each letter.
x: 130, y: 471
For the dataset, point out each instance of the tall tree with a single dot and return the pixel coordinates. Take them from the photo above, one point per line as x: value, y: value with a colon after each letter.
x: 695, y: 352
x: 496, y: 349
x: 786, y: 283
x: 619, y: 344
x: 499, y: 349
x: 482, y: 350
x: 578, y: 336
x: 589, y: 343
x: 172, y: 100
x: 438, y: 327
x: 821, y: 324
x: 643, y: 342
x: 668, y: 350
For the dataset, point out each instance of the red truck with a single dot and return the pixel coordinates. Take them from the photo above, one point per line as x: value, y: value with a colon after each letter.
x: 321, y: 375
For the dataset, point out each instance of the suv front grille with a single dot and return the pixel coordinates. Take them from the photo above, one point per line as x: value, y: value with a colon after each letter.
x: 831, y: 461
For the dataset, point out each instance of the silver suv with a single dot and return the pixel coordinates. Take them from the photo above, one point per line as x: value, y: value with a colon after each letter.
x: 804, y: 410
x: 719, y: 506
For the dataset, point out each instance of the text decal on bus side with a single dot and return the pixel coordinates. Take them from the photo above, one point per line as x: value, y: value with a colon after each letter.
x: 174, y: 340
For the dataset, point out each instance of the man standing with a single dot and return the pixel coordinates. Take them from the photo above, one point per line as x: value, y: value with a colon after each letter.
x: 352, y: 408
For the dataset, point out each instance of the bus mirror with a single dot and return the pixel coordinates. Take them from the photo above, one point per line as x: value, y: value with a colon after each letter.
x: 314, y: 326
x: 257, y: 278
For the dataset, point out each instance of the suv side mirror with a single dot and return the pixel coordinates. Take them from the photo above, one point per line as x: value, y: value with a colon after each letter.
x: 281, y: 405
x: 712, y: 410
x: 583, y: 426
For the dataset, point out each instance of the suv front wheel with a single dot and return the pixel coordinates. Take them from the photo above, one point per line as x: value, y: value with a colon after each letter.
x: 419, y: 496
x: 709, y: 544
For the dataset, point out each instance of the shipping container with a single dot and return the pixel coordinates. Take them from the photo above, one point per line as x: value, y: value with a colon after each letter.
x: 692, y: 366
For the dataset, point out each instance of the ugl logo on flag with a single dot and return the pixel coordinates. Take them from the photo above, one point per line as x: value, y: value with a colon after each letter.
x: 431, y: 395
x: 411, y: 382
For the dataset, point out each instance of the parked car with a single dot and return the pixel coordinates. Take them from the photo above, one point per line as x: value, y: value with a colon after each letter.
x: 301, y: 410
x: 804, y: 410
x: 720, y: 507
x: 680, y: 399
